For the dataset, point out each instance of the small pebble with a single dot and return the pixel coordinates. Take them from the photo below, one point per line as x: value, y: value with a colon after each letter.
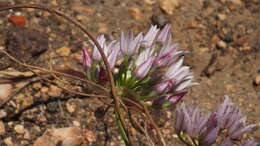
x: 76, y: 123
x: 160, y: 20
x: 17, y: 20
x: 222, y: 16
x: 101, y: 126
x: 69, y: 136
x: 112, y: 143
x: 83, y: 18
x: 71, y: 108
x: 89, y: 135
x: 37, y: 85
x: 53, y: 107
x: 221, y: 45
x: 229, y: 87
x: 246, y: 47
x: 150, y: 2
x: 5, y: 91
x: 44, y: 89
x: 78, y: 56
x: 27, y: 134
x: 83, y: 9
x: 24, y: 142
x: 135, y: 13
x: 228, y: 37
x: 102, y: 28
x: 8, y: 141
x: 2, y: 113
x: 168, y: 6
x: 237, y: 2
x: 27, y: 101
x: 133, y: 131
x: 64, y: 51
x: 1, y: 22
x: 54, y: 91
x: 192, y: 24
x: 2, y: 128
x: 19, y: 129
x: 241, y: 41
x: 257, y: 80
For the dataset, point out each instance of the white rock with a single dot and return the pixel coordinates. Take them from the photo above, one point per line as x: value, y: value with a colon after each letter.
x: 76, y: 123
x: 2, y: 128
x: 169, y: 5
x: 2, y: 113
x: 257, y: 79
x: 19, y: 129
x: 27, y: 134
x: 8, y: 141
x: 221, y: 44
x: 71, y: 108
x: 70, y: 136
x: 64, y: 51
x: 5, y: 91
x: 89, y: 135
x: 150, y: 2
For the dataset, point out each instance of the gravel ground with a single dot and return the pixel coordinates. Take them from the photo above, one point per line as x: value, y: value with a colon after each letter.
x: 222, y: 36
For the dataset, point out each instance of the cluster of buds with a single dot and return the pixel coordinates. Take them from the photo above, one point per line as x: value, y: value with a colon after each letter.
x: 225, y: 127
x: 146, y: 67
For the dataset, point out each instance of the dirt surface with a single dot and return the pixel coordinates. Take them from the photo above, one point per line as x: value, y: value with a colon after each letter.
x: 222, y: 37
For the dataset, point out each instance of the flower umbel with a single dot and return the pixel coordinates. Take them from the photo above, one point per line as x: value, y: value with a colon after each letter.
x: 231, y: 118
x: 227, y: 123
x: 143, y: 63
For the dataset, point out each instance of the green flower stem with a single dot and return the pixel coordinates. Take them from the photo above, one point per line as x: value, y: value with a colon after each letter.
x: 122, y: 131
x: 123, y: 70
x: 93, y: 72
x: 182, y: 139
x: 135, y: 124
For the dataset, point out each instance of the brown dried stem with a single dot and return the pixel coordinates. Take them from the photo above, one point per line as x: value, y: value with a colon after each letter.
x: 116, y: 99
x: 77, y: 24
x: 46, y: 79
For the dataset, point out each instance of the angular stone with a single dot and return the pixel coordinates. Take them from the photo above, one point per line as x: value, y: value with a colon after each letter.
x: 70, y: 136
x: 169, y: 5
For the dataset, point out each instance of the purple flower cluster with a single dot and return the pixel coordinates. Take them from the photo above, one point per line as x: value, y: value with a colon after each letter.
x: 148, y: 65
x: 227, y: 124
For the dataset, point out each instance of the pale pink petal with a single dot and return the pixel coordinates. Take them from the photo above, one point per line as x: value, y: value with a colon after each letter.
x: 142, y: 70
x: 150, y: 36
x: 165, y: 34
x: 86, y: 58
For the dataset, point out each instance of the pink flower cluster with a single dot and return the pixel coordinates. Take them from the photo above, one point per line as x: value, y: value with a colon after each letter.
x: 226, y: 122
x: 150, y: 66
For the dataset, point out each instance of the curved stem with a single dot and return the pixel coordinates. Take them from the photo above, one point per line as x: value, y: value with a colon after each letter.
x: 158, y: 131
x: 53, y: 71
x: 79, y: 25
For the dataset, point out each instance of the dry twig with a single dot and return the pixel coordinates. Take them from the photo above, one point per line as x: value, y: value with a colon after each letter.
x: 117, y: 101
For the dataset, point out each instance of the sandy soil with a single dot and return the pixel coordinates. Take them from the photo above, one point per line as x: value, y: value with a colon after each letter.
x: 222, y: 36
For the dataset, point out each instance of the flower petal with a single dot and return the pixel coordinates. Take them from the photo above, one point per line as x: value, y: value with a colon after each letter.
x: 150, y: 36
x: 102, y: 42
x: 165, y: 34
x: 211, y: 136
x: 142, y: 70
x: 86, y: 58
